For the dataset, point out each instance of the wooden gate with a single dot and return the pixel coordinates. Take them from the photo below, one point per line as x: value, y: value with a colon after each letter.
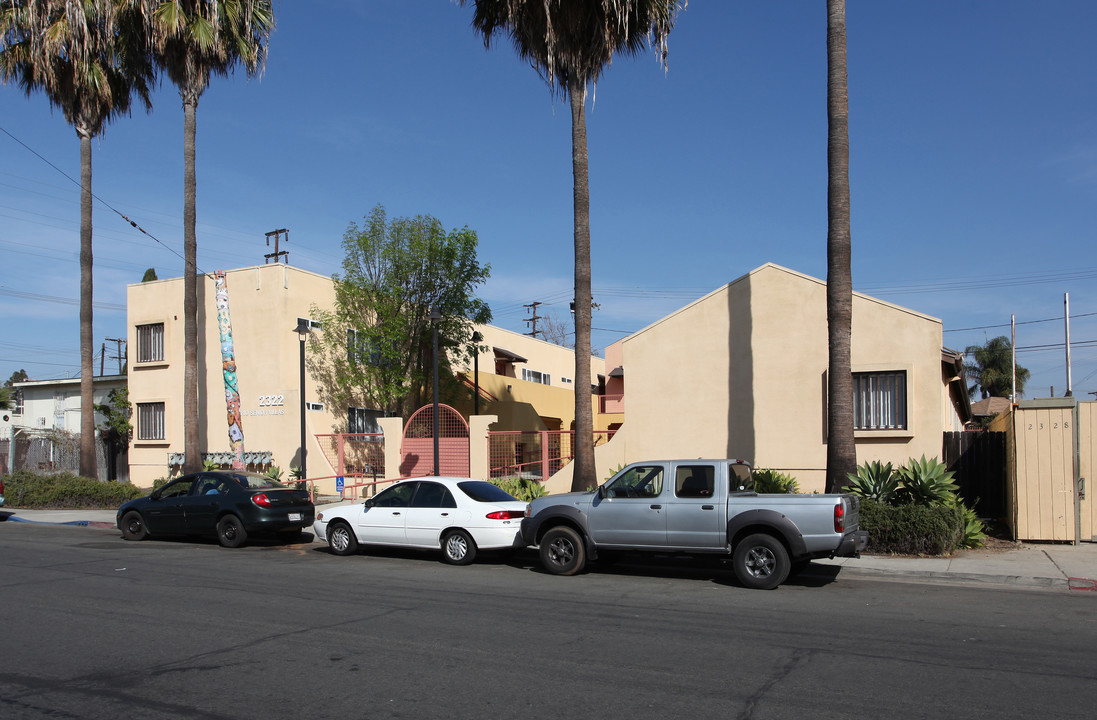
x: 1044, y: 470
x: 1087, y: 455
x: 978, y: 460
x: 417, y: 447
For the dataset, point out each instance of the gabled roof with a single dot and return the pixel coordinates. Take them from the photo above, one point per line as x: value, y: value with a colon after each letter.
x: 990, y: 407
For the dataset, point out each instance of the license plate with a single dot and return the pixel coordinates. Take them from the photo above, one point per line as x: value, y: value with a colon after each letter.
x: 295, y: 516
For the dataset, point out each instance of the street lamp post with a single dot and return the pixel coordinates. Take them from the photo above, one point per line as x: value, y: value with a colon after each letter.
x: 303, y: 330
x: 435, y: 316
x: 477, y: 338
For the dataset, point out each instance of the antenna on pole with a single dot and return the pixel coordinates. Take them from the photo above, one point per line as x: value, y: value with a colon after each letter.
x: 277, y: 253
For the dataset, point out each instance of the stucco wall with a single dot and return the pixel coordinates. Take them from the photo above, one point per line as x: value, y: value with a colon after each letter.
x: 742, y: 373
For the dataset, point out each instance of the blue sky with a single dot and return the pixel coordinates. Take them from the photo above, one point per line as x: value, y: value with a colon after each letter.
x: 973, y: 131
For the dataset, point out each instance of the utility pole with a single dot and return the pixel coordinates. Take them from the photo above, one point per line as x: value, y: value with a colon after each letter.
x: 533, y: 318
x: 118, y: 356
x: 277, y: 253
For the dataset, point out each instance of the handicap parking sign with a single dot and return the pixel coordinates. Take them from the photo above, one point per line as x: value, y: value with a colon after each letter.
x: 339, y: 483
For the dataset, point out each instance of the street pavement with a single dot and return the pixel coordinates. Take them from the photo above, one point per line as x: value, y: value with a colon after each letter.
x: 1047, y: 566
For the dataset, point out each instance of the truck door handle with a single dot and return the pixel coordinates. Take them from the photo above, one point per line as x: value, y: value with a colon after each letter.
x: 656, y: 507
x: 708, y: 507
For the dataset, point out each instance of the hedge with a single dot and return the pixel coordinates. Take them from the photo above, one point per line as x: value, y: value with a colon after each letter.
x: 910, y: 529
x: 42, y: 492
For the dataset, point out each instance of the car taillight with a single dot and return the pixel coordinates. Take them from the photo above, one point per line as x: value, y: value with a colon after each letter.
x: 839, y: 518
x: 504, y: 515
x: 527, y: 510
x: 264, y: 502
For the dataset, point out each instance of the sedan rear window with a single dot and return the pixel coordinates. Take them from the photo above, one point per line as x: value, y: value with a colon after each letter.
x: 481, y: 491
x: 255, y: 481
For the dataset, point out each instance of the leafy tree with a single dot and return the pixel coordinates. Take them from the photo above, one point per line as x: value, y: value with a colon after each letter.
x: 7, y: 398
x: 149, y: 275
x: 991, y: 369
x: 17, y: 376
x: 116, y: 412
x: 89, y: 59
x: 375, y: 350
x: 841, y: 449
x: 570, y: 44
x: 195, y: 39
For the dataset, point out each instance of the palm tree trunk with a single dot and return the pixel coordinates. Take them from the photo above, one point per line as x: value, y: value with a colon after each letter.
x: 192, y: 461
x: 841, y: 448
x: 583, y: 475
x: 87, y: 398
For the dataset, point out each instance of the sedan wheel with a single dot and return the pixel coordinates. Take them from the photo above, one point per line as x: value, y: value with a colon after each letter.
x: 133, y: 526
x: 231, y: 532
x: 341, y: 539
x: 458, y: 548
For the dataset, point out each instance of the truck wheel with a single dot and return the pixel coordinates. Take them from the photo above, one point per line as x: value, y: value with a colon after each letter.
x: 760, y: 562
x: 562, y: 551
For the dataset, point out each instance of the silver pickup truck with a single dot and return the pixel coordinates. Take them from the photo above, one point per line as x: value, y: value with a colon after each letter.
x: 694, y: 506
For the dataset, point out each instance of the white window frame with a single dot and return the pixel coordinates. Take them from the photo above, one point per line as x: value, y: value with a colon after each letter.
x: 150, y: 343
x: 536, y: 376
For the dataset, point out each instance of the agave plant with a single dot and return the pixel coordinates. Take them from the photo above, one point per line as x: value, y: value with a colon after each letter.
x: 875, y: 480
x: 973, y: 532
x: 926, y: 482
x: 274, y: 473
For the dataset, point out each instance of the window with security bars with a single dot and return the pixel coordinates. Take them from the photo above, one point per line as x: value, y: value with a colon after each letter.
x: 150, y: 343
x: 363, y: 420
x: 150, y: 421
x: 880, y: 400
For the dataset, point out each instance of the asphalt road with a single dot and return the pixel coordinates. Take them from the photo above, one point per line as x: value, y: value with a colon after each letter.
x: 92, y: 626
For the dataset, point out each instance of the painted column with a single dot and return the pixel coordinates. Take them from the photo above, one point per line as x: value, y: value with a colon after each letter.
x: 228, y: 364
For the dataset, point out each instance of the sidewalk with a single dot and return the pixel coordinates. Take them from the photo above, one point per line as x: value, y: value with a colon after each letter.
x: 1047, y: 566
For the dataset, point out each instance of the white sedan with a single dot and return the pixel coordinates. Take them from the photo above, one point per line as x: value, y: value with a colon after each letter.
x: 458, y: 515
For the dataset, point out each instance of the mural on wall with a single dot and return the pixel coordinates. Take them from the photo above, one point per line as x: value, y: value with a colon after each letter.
x: 228, y: 364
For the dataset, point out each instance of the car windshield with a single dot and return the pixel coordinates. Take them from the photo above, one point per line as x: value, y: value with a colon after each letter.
x: 481, y: 491
x: 255, y: 481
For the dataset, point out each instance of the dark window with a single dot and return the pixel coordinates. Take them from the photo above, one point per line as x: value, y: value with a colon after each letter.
x: 396, y: 496
x: 644, y: 481
x: 481, y: 491
x: 695, y: 481
x: 433, y: 495
x: 880, y: 400
x: 150, y: 421
x: 178, y: 488
x: 150, y: 343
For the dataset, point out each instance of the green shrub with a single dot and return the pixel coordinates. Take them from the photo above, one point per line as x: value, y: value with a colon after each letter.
x: 522, y: 488
x: 274, y: 473
x: 31, y: 490
x: 874, y: 481
x: 771, y: 481
x: 910, y: 529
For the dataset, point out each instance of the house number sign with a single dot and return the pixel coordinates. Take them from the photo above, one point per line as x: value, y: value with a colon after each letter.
x: 270, y: 405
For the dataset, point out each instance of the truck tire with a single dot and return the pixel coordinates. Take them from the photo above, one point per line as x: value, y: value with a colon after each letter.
x: 562, y: 551
x: 760, y: 562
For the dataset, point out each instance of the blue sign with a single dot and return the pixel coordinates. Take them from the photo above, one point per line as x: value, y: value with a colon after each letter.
x: 339, y: 483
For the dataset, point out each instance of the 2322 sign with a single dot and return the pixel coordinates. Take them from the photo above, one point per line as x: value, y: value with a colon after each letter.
x: 271, y: 400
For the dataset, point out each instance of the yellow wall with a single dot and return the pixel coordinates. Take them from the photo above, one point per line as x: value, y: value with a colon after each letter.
x: 264, y: 304
x: 742, y: 373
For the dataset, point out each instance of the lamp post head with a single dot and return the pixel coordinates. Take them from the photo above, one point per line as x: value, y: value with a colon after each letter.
x: 302, y: 328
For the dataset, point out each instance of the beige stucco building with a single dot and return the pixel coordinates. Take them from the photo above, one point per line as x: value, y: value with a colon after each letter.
x: 525, y: 382
x: 742, y: 373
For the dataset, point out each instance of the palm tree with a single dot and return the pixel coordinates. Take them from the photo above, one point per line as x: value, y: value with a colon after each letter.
x: 841, y: 449
x: 992, y: 369
x: 88, y: 58
x: 570, y: 43
x: 195, y: 39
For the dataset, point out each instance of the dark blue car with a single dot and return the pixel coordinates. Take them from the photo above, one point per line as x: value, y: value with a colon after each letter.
x: 227, y: 503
